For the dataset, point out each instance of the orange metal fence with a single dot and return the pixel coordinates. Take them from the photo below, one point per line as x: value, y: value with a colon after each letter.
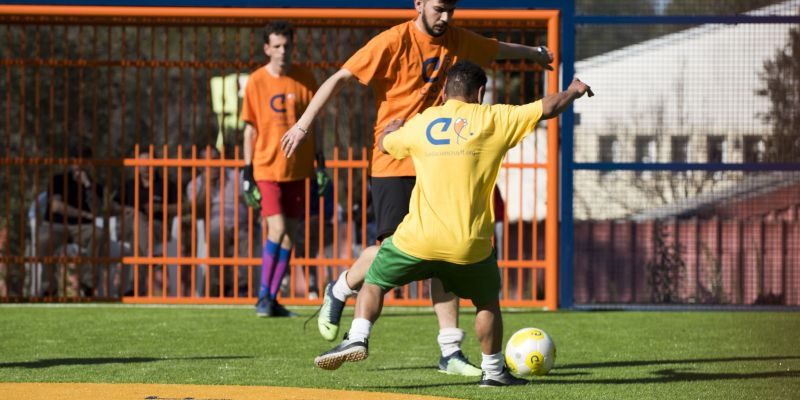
x: 127, y: 81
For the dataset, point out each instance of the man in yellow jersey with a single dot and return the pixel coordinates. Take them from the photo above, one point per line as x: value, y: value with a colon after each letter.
x: 406, y: 66
x: 457, y: 149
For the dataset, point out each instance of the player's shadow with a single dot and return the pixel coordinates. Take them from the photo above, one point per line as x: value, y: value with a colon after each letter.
x: 673, y: 375
x: 58, y: 362
x: 471, y: 383
x: 667, y: 375
x: 641, y: 363
x: 405, y: 368
x: 561, y: 375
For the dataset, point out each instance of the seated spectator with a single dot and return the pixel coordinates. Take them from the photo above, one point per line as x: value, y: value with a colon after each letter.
x: 161, y: 217
x: 69, y: 228
x: 221, y: 223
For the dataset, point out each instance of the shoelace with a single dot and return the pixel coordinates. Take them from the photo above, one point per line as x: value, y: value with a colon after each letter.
x: 312, y: 317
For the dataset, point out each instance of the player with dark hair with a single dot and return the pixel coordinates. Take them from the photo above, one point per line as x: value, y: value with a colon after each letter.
x: 457, y: 150
x: 275, y: 94
x: 406, y: 66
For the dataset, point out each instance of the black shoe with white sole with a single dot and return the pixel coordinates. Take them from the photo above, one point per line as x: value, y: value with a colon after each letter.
x: 347, y: 351
x: 504, y: 379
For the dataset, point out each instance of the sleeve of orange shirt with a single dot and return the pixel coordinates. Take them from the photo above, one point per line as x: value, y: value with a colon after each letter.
x: 478, y: 48
x: 369, y: 60
x: 396, y: 144
x: 519, y: 121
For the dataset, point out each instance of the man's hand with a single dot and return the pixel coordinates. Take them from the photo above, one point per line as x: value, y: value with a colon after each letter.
x: 392, y: 126
x: 544, y: 57
x: 251, y: 194
x: 580, y: 88
x: 292, y: 139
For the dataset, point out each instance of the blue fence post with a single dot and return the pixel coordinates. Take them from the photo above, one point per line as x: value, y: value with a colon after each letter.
x: 566, y: 236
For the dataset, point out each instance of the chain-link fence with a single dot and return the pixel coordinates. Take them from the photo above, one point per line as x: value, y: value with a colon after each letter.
x: 687, y: 167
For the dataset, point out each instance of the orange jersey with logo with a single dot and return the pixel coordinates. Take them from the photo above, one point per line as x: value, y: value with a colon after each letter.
x: 407, y: 70
x: 272, y: 105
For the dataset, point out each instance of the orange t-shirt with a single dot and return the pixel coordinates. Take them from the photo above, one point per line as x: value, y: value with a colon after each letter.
x: 407, y: 69
x: 272, y: 105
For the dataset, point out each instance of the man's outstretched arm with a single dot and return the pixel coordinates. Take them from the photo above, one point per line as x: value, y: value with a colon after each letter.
x: 512, y: 51
x: 299, y: 132
x: 555, y: 104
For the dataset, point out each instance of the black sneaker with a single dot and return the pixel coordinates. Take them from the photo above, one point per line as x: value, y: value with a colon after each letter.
x: 504, y: 379
x: 348, y: 350
x: 458, y: 364
x: 279, y: 310
x: 264, y: 307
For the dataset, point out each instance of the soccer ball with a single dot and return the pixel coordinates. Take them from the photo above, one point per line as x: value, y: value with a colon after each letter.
x: 530, y: 351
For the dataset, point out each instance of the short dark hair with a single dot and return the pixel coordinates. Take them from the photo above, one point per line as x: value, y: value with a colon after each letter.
x: 464, y: 79
x: 278, y: 27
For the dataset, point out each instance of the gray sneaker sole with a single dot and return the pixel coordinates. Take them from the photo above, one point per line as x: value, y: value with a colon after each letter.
x: 335, y: 360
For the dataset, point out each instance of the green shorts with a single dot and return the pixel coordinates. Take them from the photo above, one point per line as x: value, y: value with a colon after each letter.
x: 479, y: 282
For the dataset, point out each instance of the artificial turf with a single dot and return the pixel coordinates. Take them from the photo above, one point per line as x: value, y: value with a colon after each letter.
x: 601, y: 355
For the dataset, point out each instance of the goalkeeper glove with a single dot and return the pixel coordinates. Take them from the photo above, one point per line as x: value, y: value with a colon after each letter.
x: 252, y: 196
x: 323, y: 182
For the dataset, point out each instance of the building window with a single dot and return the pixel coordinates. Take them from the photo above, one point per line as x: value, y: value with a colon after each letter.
x: 754, y: 149
x: 680, y: 149
x: 645, y: 153
x: 716, y: 149
x: 608, y: 151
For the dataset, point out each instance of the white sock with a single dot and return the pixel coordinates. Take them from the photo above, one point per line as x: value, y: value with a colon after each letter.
x: 450, y: 340
x: 492, y: 365
x: 341, y: 290
x: 359, y: 330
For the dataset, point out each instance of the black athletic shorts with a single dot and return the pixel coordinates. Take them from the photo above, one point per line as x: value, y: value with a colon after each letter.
x: 390, y: 196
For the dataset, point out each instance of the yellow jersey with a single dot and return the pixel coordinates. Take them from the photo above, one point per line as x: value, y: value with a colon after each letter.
x: 457, y: 149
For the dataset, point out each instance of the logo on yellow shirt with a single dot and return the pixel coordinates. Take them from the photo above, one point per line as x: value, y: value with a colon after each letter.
x: 458, y: 127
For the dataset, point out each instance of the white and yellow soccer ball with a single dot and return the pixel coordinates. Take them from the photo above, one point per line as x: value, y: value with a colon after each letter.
x: 530, y: 351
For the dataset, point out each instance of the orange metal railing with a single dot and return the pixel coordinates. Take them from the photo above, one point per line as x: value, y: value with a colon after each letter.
x: 125, y: 79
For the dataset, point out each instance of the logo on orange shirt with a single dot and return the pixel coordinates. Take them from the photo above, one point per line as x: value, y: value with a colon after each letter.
x: 433, y: 86
x: 278, y: 103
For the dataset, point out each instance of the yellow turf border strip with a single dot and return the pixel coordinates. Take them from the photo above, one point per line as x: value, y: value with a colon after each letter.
x: 106, y: 391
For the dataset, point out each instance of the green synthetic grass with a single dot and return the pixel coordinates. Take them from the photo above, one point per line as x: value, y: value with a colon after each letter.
x: 601, y: 355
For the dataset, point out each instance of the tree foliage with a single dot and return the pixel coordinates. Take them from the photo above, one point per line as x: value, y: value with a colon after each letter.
x: 781, y: 77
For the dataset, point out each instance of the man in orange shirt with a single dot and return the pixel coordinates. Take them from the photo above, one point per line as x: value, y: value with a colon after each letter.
x: 406, y: 66
x: 274, y: 95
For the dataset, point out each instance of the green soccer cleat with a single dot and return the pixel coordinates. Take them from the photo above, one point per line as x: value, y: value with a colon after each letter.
x: 330, y: 314
x: 458, y: 364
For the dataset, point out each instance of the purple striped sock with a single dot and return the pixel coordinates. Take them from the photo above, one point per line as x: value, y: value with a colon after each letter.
x: 268, y: 258
x: 280, y: 270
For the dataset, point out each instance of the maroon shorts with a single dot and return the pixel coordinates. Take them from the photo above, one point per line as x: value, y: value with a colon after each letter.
x: 287, y: 198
